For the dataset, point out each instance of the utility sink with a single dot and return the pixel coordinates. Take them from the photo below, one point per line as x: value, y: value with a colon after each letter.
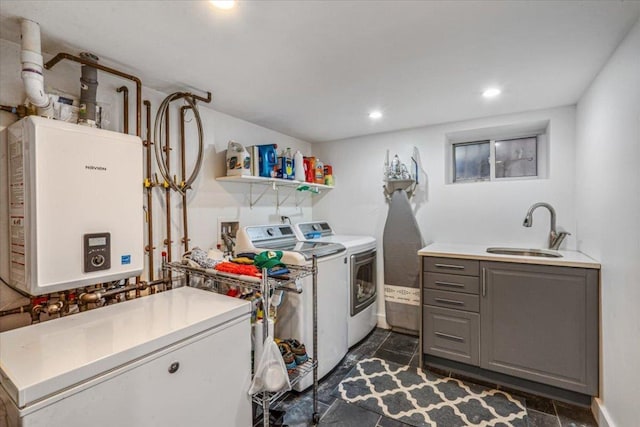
x: 524, y: 252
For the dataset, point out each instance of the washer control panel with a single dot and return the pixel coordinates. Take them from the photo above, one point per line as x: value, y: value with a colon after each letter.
x: 97, y: 252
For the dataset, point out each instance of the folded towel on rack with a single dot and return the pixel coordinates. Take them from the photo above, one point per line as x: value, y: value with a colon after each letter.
x: 242, y: 260
x: 230, y: 267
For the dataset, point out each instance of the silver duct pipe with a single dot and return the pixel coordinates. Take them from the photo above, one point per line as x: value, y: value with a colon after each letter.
x: 88, y: 88
x: 32, y: 76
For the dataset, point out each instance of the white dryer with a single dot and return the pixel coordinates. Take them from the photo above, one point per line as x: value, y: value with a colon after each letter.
x: 295, y: 315
x: 361, y: 275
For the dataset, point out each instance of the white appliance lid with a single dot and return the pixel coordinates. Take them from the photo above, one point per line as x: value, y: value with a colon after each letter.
x: 351, y: 242
x: 321, y: 231
x: 282, y: 237
x: 39, y: 360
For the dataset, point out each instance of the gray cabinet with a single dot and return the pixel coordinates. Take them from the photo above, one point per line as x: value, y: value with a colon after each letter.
x: 450, y: 320
x: 533, y: 322
x: 541, y: 323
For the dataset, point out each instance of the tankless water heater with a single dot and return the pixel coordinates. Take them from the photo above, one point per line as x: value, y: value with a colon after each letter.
x: 74, y: 206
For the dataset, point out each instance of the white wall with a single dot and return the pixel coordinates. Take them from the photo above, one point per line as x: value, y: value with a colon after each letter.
x: 608, y: 206
x: 488, y: 213
x: 208, y: 202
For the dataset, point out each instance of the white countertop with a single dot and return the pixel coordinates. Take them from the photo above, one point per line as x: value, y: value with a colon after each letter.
x: 39, y: 360
x: 479, y: 252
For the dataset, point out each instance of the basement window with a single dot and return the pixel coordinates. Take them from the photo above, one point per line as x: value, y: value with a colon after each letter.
x: 498, y: 154
x: 471, y: 161
x: 516, y: 157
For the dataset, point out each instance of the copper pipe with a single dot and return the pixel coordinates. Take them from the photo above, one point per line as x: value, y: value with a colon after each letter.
x: 94, y: 297
x: 125, y: 90
x: 149, y: 186
x: 185, y: 223
x: 22, y: 309
x: 59, y: 57
x: 194, y: 97
x: 199, y: 98
x: 137, y: 287
x: 167, y: 149
x: 35, y: 313
x: 54, y: 308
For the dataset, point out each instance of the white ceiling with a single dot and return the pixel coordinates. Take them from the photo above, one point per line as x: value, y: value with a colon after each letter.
x: 314, y: 69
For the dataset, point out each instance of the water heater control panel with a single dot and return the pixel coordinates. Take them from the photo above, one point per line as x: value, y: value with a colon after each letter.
x: 97, y: 252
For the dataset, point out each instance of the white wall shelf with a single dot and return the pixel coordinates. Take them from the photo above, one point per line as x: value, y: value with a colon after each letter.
x: 275, y: 184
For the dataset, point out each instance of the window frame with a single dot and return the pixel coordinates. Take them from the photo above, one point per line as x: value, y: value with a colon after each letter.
x: 541, y: 151
x: 494, y: 163
x: 454, y: 163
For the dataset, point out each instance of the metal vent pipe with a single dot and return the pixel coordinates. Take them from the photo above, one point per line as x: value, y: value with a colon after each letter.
x: 88, y: 88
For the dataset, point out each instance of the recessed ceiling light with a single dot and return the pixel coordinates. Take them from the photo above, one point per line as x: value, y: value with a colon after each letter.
x: 375, y: 115
x: 224, y: 4
x: 491, y: 92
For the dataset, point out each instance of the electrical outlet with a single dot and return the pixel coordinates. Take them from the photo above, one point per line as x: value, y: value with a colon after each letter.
x: 230, y: 228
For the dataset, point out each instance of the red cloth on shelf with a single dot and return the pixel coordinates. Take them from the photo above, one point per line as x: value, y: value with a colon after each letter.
x: 230, y: 267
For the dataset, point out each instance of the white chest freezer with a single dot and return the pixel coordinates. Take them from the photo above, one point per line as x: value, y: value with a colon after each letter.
x: 74, y: 206
x: 181, y: 357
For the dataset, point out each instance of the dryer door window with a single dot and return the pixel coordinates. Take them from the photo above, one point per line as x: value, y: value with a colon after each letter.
x: 363, y: 281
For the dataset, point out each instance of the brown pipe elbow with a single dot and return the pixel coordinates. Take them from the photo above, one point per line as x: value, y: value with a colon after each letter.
x: 89, y: 298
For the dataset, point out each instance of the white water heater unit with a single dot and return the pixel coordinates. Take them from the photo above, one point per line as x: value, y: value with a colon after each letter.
x: 74, y: 206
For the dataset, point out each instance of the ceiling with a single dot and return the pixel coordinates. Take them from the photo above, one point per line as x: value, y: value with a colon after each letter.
x: 315, y: 69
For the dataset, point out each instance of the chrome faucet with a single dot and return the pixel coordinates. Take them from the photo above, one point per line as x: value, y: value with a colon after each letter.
x: 284, y: 218
x: 228, y: 244
x: 555, y: 238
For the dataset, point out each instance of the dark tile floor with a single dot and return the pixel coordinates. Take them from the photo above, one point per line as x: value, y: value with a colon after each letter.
x: 403, y: 349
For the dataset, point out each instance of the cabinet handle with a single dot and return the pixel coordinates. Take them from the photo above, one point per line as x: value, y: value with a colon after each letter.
x: 449, y: 301
x: 456, y: 267
x: 173, y: 368
x: 453, y: 285
x: 449, y: 337
x: 484, y: 282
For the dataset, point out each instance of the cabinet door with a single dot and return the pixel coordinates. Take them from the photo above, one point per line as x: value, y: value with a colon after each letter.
x: 541, y: 323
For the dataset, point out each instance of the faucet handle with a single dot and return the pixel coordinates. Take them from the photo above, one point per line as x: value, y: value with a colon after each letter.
x: 555, y: 239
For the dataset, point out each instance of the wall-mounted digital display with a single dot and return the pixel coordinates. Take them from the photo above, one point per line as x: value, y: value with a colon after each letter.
x: 97, y: 241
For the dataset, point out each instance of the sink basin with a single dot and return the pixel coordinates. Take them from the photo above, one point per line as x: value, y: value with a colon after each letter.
x: 524, y: 252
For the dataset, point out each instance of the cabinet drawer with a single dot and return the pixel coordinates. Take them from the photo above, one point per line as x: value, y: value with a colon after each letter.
x: 455, y: 300
x: 452, y: 334
x: 452, y: 282
x: 467, y: 267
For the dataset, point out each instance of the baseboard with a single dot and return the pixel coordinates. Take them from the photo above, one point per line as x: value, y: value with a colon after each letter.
x: 601, y: 414
x: 382, y: 321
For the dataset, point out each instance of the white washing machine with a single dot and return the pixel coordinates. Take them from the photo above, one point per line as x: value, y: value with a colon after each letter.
x: 295, y: 315
x: 361, y: 275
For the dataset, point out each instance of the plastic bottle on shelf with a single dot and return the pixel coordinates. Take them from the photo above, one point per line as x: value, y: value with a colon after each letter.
x: 310, y: 170
x: 319, y: 172
x: 298, y: 167
x: 287, y: 173
x: 279, y: 168
x: 328, y: 175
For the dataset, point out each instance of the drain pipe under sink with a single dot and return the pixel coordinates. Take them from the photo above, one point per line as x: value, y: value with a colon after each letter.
x: 32, y: 77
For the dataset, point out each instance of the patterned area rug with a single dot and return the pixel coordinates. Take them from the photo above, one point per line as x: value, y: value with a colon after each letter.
x: 421, y: 398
